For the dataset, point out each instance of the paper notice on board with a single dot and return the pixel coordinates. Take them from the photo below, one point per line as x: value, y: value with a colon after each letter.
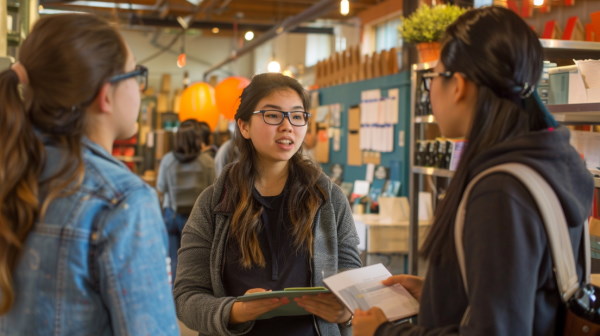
x: 392, y: 103
x: 336, y: 139
x: 335, y: 113
x: 322, y: 113
x: 369, y: 106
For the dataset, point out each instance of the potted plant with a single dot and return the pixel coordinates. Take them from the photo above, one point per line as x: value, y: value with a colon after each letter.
x: 426, y: 26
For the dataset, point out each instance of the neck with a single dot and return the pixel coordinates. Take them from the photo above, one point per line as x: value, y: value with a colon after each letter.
x: 98, y: 131
x: 271, y: 179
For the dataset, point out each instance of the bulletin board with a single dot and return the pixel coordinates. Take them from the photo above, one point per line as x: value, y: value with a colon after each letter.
x: 348, y: 96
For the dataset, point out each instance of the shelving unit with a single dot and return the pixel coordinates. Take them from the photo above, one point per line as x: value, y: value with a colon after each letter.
x: 431, y: 171
x: 588, y: 113
x: 17, y: 24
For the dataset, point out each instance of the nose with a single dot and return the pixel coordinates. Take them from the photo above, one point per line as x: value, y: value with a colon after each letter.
x: 286, y: 124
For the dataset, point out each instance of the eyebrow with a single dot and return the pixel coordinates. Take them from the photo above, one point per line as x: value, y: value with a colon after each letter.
x: 277, y: 107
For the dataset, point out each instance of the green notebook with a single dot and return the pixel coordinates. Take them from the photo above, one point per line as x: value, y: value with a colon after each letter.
x: 290, y: 309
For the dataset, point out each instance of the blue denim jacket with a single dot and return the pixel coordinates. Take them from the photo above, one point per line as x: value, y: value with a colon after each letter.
x: 96, y: 263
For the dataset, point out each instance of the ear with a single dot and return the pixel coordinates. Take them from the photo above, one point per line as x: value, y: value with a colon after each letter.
x: 244, y: 127
x: 104, y: 98
x: 461, y: 86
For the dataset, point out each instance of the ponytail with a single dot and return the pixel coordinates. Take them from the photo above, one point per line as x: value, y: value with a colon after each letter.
x: 21, y: 157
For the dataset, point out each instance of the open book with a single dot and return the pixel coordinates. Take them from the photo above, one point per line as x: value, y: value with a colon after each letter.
x: 362, y: 288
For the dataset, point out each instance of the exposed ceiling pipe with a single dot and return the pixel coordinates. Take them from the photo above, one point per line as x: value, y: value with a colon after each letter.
x: 288, y: 24
x: 156, y: 22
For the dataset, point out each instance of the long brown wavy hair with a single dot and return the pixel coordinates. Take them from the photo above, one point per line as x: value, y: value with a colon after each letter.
x: 304, y: 195
x: 496, y: 49
x: 68, y: 58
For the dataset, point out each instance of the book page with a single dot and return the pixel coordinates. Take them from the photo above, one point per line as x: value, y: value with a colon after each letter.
x: 362, y: 288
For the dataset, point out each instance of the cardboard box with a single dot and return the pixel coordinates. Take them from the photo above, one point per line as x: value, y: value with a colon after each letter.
x: 394, y: 208
x: 392, y: 238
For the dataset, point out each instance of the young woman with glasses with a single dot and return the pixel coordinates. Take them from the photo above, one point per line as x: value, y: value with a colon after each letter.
x: 272, y: 220
x: 483, y: 88
x: 82, y: 242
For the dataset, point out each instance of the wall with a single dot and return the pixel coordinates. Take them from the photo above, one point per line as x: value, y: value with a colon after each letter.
x: 349, y: 95
x: 561, y: 14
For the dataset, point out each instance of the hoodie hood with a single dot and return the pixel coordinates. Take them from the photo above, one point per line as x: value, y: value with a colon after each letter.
x: 185, y: 157
x: 552, y: 156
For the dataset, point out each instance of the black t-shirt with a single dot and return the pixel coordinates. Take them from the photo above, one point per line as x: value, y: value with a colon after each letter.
x: 285, y: 267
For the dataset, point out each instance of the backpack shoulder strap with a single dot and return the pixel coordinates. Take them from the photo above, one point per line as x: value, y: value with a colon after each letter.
x: 553, y: 218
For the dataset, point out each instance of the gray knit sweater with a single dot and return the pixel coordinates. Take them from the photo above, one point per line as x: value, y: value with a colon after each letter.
x: 199, y: 293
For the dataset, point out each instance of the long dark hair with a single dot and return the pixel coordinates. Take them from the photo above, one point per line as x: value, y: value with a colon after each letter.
x: 304, y: 195
x: 68, y: 58
x: 495, y: 49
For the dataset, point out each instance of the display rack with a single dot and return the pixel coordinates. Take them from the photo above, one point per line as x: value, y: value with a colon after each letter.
x: 17, y: 25
x: 588, y: 113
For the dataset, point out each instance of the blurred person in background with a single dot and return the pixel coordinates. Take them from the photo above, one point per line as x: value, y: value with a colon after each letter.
x: 183, y: 174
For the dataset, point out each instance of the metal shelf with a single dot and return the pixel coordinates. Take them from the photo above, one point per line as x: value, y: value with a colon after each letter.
x: 587, y: 113
x: 433, y: 171
x: 14, y: 6
x: 426, y: 119
x: 13, y: 38
x: 424, y: 66
x: 570, y: 49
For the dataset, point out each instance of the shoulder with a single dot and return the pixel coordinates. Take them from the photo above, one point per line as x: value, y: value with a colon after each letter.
x: 502, y: 184
x: 206, y: 159
x: 335, y: 193
x: 168, y: 159
x: 112, y: 180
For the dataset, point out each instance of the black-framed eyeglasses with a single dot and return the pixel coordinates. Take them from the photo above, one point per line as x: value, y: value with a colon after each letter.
x: 140, y: 73
x: 429, y: 76
x: 275, y: 117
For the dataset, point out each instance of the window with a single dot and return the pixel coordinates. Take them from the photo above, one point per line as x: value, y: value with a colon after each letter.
x: 386, y: 35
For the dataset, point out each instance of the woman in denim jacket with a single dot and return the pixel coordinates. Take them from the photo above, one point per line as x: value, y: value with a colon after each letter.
x: 272, y: 220
x: 82, y: 243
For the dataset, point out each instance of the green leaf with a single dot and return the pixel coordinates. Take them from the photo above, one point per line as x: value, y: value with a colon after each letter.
x: 427, y: 24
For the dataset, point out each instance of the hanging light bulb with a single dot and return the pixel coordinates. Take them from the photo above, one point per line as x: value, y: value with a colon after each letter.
x: 344, y: 7
x: 538, y: 3
x: 181, y: 60
x: 249, y: 35
x: 273, y: 66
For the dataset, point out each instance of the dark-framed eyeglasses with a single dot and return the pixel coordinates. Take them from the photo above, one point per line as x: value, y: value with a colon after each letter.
x: 429, y: 76
x: 275, y: 117
x: 140, y: 73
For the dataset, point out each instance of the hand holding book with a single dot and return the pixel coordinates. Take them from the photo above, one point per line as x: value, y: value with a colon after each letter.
x: 362, y: 288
